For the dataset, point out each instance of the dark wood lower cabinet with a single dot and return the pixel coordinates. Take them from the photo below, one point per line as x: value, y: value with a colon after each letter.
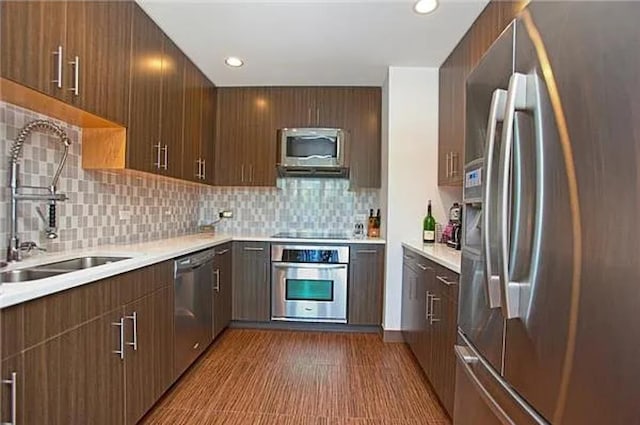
x: 222, y: 295
x: 67, y: 363
x: 148, y: 359
x: 72, y: 378
x: 251, y: 282
x: 366, y: 277
x: 429, y: 321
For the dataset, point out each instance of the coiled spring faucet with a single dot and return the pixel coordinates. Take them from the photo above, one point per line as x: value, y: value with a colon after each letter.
x: 20, y: 192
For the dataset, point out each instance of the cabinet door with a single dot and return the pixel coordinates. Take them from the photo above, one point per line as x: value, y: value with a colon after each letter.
x: 295, y: 107
x: 194, y: 81
x: 143, y: 129
x: 75, y: 378
x: 99, y: 35
x: 149, y: 351
x: 229, y: 138
x: 30, y: 34
x: 363, y: 138
x: 246, y: 142
x: 366, y: 275
x: 12, y: 403
x: 222, y: 297
x: 420, y: 319
x: 251, y: 288
x: 207, y: 148
x: 172, y: 109
x: 332, y: 106
x: 407, y: 295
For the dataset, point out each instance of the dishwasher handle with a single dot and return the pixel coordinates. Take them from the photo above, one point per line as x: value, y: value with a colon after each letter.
x: 192, y: 262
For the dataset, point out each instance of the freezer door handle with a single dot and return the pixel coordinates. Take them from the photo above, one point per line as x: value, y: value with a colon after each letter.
x: 466, y: 358
x: 516, y: 100
x: 496, y: 114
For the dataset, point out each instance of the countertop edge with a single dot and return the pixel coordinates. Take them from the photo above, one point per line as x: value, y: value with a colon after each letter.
x: 16, y: 293
x: 434, y: 256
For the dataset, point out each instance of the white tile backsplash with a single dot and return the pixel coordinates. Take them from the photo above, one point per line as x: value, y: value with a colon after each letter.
x: 155, y: 207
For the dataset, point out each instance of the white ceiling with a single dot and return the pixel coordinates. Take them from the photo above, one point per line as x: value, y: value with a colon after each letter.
x: 302, y: 42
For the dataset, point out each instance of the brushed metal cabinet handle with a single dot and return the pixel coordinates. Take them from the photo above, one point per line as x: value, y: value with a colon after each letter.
x: 224, y: 251
x: 204, y: 169
x: 134, y: 318
x: 157, y: 164
x: 242, y: 172
x: 252, y: 248
x: 13, y: 382
x: 166, y: 157
x: 367, y: 251
x: 427, y: 306
x: 59, y: 58
x: 199, y: 172
x: 120, y: 351
x: 318, y: 116
x: 251, y: 173
x: 445, y: 281
x: 432, y: 318
x: 216, y: 273
x: 76, y: 76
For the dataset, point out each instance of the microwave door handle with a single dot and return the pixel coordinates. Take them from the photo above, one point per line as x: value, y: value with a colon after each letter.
x: 496, y: 114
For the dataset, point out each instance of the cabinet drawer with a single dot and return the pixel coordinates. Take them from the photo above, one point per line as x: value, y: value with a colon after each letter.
x: 448, y: 280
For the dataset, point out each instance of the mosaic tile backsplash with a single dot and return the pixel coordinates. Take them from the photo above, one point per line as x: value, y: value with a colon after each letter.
x: 103, y: 207
x: 114, y: 208
x: 296, y: 204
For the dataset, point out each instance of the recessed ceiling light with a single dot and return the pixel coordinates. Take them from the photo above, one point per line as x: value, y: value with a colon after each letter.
x: 425, y: 6
x: 234, y: 62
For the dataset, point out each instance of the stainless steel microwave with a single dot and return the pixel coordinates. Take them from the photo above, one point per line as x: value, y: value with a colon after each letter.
x: 313, y: 149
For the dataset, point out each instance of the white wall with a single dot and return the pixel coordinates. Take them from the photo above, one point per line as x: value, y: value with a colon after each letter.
x: 410, y: 165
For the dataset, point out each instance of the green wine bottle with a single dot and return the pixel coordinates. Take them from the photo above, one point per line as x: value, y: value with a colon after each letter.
x: 429, y: 226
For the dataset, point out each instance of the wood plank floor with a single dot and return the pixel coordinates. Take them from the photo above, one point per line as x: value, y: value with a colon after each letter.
x: 295, y: 378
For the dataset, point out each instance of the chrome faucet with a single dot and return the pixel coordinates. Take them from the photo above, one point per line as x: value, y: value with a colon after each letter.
x: 18, y: 192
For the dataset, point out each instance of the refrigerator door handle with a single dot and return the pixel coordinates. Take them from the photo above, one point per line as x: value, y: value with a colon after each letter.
x: 516, y: 100
x: 496, y: 114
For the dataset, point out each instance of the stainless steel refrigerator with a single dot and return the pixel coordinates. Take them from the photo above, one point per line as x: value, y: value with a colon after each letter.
x: 549, y: 310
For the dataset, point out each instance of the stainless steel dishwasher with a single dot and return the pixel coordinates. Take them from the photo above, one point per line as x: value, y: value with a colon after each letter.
x: 193, y: 307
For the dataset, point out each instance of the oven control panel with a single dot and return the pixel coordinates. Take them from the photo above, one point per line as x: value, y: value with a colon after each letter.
x: 310, y: 254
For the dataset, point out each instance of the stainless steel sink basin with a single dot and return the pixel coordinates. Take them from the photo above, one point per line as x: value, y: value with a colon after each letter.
x: 54, y: 269
x: 25, y: 275
x: 80, y: 263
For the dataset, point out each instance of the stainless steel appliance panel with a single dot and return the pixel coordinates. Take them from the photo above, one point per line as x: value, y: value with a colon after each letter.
x: 483, y: 397
x: 480, y: 316
x: 568, y: 344
x: 311, y: 147
x: 193, y: 307
x: 329, y: 306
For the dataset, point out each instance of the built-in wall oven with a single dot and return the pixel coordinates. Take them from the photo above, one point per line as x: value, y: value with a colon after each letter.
x: 309, y: 283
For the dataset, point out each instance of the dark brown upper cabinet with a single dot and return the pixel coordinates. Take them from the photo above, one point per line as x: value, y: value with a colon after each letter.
x: 453, y: 74
x: 246, y: 137
x: 75, y: 51
x: 144, y: 148
x: 33, y: 53
x: 249, y: 119
x: 192, y: 122
x: 156, y: 124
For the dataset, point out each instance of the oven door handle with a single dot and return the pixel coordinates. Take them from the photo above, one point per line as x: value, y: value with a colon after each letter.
x: 309, y: 266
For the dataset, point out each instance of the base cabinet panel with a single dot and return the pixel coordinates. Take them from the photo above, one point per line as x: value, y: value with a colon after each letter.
x: 429, y: 321
x: 366, y: 277
x: 75, y: 378
x: 251, y: 282
x: 222, y: 295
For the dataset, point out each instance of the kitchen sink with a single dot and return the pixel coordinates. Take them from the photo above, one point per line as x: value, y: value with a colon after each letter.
x: 79, y: 263
x: 53, y: 269
x: 25, y: 275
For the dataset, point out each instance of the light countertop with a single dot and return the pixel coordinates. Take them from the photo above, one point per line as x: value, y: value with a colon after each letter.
x: 142, y: 255
x: 440, y: 253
